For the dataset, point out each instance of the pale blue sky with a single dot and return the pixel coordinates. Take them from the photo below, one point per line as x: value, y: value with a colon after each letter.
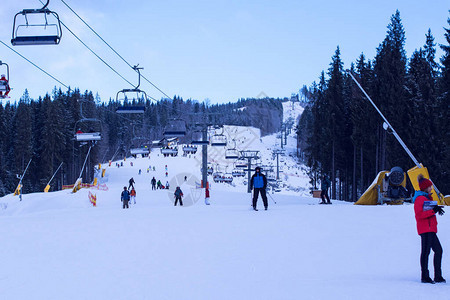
x: 220, y: 50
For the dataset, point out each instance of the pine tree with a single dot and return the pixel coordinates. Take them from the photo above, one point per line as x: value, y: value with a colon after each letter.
x: 389, y: 92
x: 443, y: 115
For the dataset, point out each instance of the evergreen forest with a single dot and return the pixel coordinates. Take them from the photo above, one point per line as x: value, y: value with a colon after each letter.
x: 341, y: 134
x: 43, y: 130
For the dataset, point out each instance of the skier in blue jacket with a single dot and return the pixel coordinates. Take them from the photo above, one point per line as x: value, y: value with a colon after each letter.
x: 258, y: 183
x: 125, y: 197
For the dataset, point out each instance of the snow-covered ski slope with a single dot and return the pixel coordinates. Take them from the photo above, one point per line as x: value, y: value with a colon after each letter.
x: 57, y: 246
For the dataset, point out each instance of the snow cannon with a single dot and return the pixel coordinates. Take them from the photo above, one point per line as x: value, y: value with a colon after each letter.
x: 388, y: 187
x: 368, y: 197
x: 414, y: 173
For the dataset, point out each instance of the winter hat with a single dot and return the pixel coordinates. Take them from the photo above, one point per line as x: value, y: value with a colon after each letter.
x: 424, y: 183
x: 258, y: 168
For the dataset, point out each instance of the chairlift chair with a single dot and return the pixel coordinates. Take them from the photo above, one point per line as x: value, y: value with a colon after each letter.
x: 241, y: 165
x: 26, y: 33
x: 197, y: 138
x: 168, y: 151
x: 141, y: 150
x: 188, y: 149
x: 228, y: 178
x: 88, y: 136
x: 232, y: 153
x: 121, y: 96
x: 176, y: 128
x: 218, y: 139
x: 91, y: 135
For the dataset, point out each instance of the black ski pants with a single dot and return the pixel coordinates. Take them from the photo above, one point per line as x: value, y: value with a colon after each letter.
x: 153, y: 187
x: 431, y: 241
x: 176, y: 201
x: 256, y: 192
x: 323, y: 195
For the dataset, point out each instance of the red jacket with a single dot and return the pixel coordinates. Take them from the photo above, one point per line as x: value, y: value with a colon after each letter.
x: 426, y: 220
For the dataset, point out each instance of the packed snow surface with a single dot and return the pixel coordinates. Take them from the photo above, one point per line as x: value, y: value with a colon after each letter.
x: 58, y: 246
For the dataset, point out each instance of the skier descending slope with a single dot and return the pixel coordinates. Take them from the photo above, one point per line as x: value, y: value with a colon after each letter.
x: 258, y: 183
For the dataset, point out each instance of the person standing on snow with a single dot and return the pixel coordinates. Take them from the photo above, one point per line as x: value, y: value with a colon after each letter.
x: 133, y: 195
x: 178, y: 195
x: 207, y: 196
x: 258, y: 183
x: 131, y: 183
x: 125, y: 197
x: 153, y: 183
x: 324, y: 185
x: 427, y: 229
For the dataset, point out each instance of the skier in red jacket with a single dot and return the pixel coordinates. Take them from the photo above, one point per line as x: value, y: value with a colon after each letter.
x: 427, y: 229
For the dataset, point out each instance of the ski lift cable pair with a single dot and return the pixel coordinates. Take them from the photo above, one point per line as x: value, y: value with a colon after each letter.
x: 93, y: 52
x: 42, y: 70
x: 132, y: 67
x: 110, y: 47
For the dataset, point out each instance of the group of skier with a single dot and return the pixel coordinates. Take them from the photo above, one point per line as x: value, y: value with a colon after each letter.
x: 158, y: 184
x: 128, y: 194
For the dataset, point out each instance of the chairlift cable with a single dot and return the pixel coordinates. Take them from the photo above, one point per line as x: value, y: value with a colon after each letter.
x: 151, y: 98
x: 162, y: 92
x: 93, y: 52
x: 45, y: 72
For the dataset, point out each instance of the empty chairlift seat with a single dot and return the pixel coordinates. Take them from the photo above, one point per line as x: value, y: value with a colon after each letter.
x: 175, y: 128
x: 197, y: 138
x: 32, y: 27
x: 218, y: 140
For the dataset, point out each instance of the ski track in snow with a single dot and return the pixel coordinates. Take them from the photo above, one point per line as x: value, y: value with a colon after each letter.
x: 57, y: 246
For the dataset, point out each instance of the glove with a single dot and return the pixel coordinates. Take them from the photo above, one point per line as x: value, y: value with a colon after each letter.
x: 439, y: 210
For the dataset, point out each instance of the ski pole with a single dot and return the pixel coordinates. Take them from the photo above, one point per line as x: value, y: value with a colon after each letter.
x: 272, y: 199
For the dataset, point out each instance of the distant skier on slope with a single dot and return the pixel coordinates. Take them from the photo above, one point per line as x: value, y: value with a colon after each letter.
x: 153, y: 183
x: 178, y: 195
x: 258, y: 184
x: 125, y: 197
x: 131, y: 183
x: 427, y: 229
x: 324, y: 185
x: 133, y: 195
